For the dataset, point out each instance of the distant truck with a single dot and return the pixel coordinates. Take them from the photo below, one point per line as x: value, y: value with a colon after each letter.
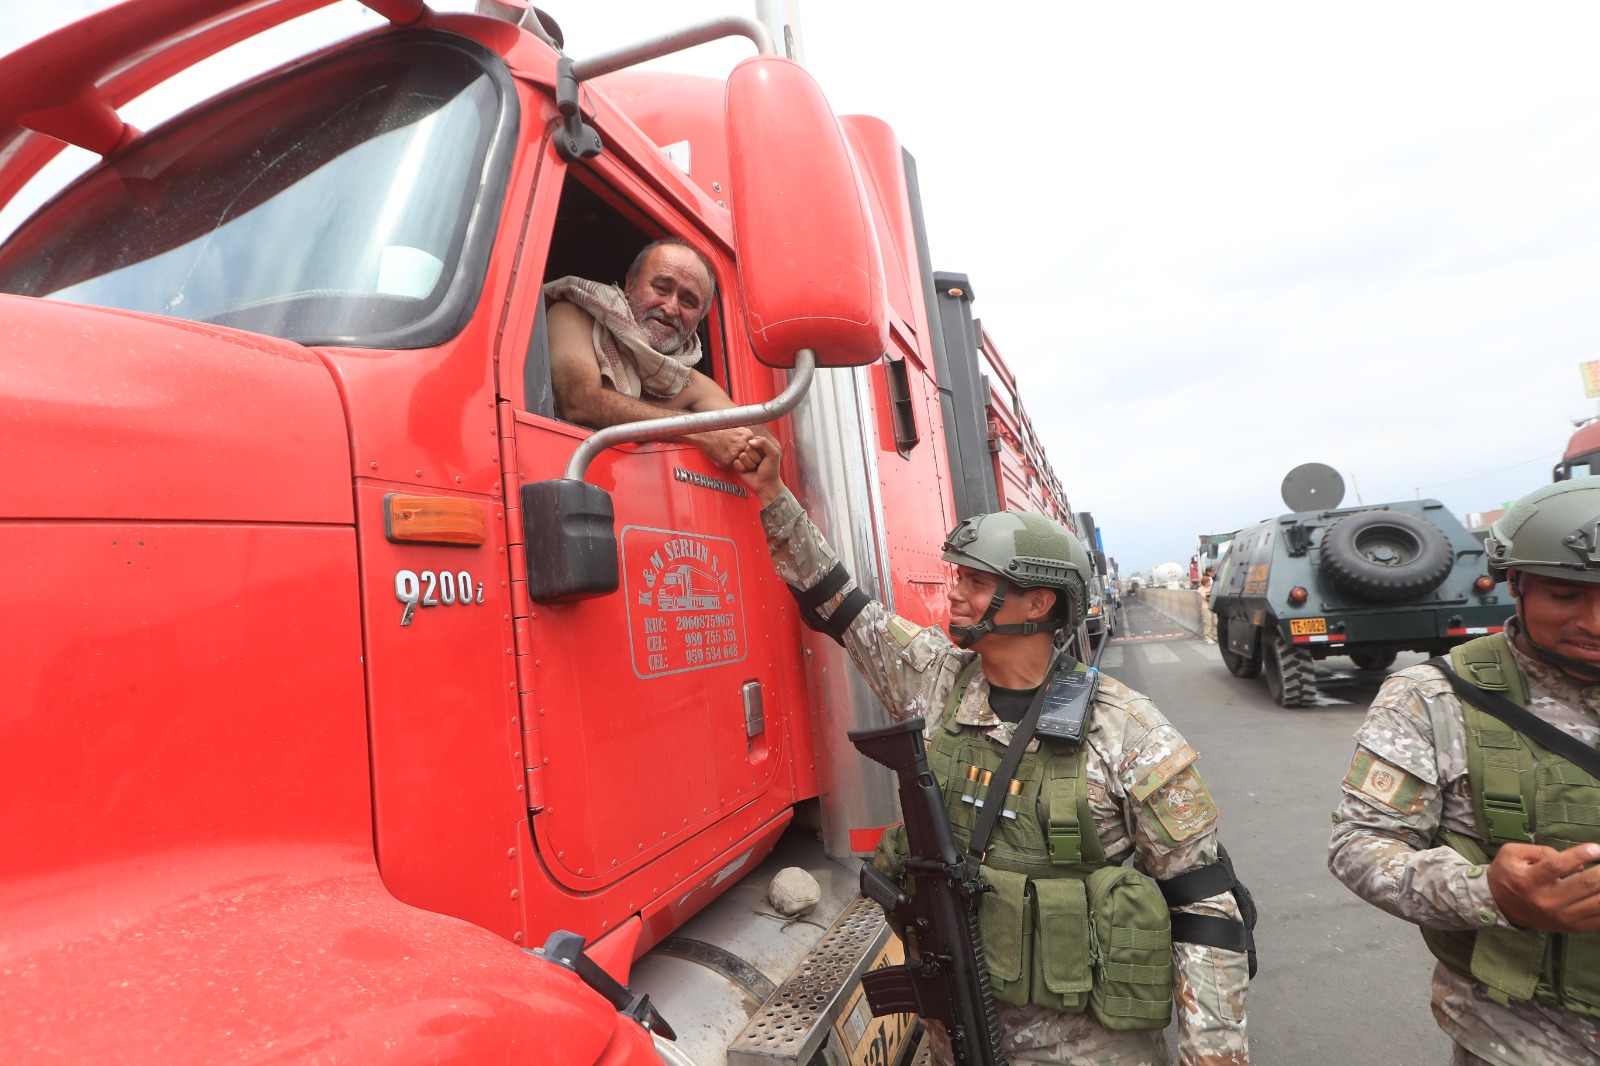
x: 1099, y: 620
x: 1582, y: 456
x: 1167, y: 576
x: 1210, y: 550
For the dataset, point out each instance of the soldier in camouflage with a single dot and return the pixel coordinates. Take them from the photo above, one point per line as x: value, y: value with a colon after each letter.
x: 1147, y: 800
x: 1510, y: 905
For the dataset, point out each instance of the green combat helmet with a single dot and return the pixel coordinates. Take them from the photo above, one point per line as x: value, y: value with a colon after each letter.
x: 1554, y: 532
x: 1026, y: 551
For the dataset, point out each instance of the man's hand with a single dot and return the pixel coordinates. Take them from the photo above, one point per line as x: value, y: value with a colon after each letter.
x: 757, y: 467
x: 722, y: 446
x: 1548, y: 890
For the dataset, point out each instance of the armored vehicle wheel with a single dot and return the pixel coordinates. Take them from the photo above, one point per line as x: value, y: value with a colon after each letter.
x: 1291, y: 679
x: 1238, y: 665
x: 1386, y: 555
x: 1373, y: 660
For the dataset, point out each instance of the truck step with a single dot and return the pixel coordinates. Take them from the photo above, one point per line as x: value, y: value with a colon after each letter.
x: 794, y: 1021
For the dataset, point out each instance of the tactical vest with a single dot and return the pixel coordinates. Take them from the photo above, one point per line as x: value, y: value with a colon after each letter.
x: 1520, y: 792
x: 1062, y: 928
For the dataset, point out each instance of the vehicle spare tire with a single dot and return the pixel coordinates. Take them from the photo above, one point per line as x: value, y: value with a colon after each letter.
x: 1386, y: 555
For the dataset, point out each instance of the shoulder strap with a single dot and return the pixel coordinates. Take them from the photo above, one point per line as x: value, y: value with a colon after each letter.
x: 1069, y: 829
x: 953, y: 699
x: 1487, y: 663
x: 979, y: 842
x: 1523, y: 721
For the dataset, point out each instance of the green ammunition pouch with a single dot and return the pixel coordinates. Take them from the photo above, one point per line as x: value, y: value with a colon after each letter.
x: 1522, y: 792
x: 1062, y: 928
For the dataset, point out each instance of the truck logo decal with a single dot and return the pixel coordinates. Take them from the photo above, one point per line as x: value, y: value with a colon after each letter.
x: 705, y: 482
x: 429, y: 589
x: 684, y: 601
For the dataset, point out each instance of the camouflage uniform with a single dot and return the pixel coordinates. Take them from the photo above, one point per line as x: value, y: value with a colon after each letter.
x: 1408, y: 779
x: 912, y: 669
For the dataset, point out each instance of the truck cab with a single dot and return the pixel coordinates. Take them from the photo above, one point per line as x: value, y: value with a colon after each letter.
x: 331, y: 748
x: 1582, y: 454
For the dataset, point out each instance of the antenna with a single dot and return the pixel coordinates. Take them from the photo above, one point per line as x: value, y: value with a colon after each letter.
x: 1313, y: 487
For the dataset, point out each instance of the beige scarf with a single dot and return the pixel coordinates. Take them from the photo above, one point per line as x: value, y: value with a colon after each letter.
x: 627, y: 361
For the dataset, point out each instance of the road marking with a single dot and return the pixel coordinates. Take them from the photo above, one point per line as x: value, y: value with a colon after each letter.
x: 1159, y: 653
x: 1149, y: 636
x: 1112, y: 658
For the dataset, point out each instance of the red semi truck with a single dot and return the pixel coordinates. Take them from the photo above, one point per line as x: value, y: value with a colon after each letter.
x: 340, y: 722
x: 1582, y: 455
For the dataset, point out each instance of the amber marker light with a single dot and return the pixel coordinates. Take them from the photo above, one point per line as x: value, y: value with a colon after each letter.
x: 1484, y: 583
x: 433, y: 520
x: 1297, y: 595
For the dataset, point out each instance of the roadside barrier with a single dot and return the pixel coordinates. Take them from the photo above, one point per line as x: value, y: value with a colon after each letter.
x: 1180, y: 605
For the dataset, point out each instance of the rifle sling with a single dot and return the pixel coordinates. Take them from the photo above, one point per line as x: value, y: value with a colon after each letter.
x: 979, y: 844
x: 1523, y: 721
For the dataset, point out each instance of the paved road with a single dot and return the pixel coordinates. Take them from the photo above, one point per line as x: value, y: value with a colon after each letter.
x: 1340, y: 981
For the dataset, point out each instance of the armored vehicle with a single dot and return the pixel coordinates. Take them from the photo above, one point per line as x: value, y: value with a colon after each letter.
x: 1368, y: 582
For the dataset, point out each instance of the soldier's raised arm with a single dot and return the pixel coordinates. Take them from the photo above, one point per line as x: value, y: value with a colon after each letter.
x: 901, y: 661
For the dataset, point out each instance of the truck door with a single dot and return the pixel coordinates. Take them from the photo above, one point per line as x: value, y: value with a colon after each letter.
x: 655, y: 712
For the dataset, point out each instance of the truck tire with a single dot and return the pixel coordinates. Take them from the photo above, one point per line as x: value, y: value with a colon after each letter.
x: 1386, y: 555
x: 1373, y: 660
x: 1238, y: 665
x: 1291, y: 678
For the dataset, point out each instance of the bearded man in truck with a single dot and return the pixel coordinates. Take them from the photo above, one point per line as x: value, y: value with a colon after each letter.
x: 1472, y: 805
x: 628, y: 354
x: 1077, y: 812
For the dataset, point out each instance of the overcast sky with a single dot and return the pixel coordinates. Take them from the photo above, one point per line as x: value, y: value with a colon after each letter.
x: 1218, y: 241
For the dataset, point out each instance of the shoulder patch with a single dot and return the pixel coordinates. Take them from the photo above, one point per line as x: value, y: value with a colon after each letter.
x: 1381, y: 781
x: 1164, y: 771
x: 1184, y: 807
x: 902, y: 630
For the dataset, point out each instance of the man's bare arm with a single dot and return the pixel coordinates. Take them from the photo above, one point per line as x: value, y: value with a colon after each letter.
x: 581, y: 395
x: 722, y: 445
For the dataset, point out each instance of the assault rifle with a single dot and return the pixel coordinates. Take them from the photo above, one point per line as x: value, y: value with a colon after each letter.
x: 945, y: 976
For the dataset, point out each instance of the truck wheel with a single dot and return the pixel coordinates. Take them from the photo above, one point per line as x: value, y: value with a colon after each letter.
x: 1238, y: 665
x: 1291, y: 678
x: 1386, y: 555
x: 1373, y: 660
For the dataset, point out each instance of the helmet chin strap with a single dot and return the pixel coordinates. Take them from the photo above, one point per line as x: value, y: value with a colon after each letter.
x: 967, y: 636
x: 1587, y: 671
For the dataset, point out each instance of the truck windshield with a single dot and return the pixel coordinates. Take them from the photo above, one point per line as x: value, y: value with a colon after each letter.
x: 1578, y: 466
x: 330, y: 205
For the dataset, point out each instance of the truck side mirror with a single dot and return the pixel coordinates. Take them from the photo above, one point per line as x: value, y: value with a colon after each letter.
x: 569, y: 534
x: 810, y: 272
